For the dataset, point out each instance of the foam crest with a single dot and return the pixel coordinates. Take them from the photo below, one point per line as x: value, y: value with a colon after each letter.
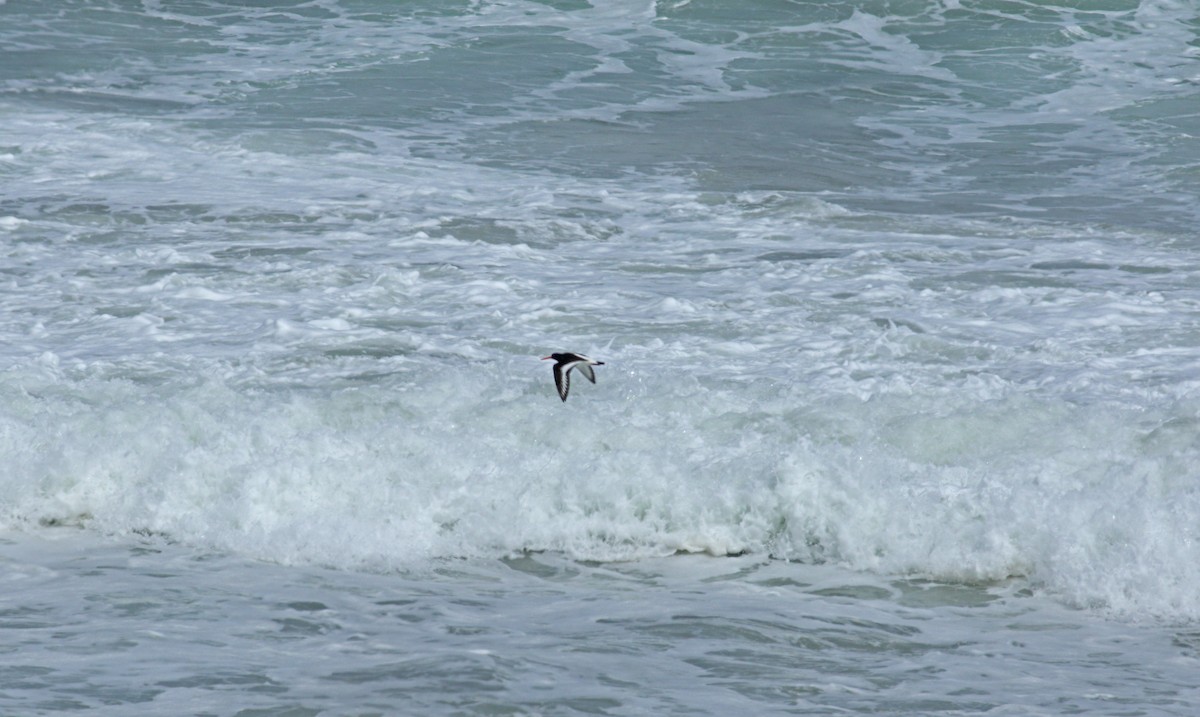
x: 1097, y: 507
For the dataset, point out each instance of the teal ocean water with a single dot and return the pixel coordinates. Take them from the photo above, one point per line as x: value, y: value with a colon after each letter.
x: 899, y: 304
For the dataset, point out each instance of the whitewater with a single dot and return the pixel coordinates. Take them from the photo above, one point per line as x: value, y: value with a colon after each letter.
x: 899, y: 304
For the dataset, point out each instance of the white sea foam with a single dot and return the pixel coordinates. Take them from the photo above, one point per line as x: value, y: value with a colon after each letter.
x: 1094, y: 505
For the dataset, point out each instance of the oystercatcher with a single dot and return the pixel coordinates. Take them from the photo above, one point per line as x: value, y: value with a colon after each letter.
x: 564, y: 362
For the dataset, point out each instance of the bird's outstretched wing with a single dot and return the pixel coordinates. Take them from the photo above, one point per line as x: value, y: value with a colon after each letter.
x: 562, y: 380
x: 587, y: 371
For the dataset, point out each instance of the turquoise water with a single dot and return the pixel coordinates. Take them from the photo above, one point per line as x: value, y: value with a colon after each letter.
x: 897, y: 302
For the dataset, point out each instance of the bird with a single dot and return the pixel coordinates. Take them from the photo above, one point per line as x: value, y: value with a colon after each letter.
x: 564, y: 362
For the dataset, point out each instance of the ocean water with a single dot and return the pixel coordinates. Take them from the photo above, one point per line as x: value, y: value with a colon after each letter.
x: 899, y: 304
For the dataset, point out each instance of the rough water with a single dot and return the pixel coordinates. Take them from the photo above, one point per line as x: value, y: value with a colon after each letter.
x: 899, y: 304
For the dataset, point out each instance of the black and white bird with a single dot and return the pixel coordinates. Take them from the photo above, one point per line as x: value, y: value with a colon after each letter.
x: 564, y: 362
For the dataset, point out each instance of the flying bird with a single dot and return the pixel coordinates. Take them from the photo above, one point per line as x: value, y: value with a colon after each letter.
x: 564, y: 362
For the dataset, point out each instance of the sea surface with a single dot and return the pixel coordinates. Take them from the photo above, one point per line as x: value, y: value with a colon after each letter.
x: 899, y: 304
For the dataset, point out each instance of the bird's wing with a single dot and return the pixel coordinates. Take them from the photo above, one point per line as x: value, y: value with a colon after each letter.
x: 562, y: 380
x: 586, y: 370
